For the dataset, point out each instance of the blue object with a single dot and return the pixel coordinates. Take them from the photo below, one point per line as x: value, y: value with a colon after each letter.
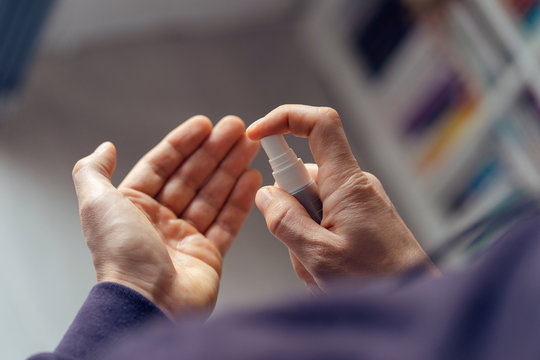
x: 378, y: 40
x: 476, y: 185
x: 20, y: 25
x: 530, y: 20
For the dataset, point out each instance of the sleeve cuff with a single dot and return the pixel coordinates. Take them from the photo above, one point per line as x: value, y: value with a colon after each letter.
x: 108, y: 313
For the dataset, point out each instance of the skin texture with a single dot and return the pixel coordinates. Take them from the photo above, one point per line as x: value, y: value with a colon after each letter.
x: 166, y: 228
x: 361, y: 232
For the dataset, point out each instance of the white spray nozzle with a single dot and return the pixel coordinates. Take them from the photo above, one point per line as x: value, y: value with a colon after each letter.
x: 274, y: 146
x: 288, y: 170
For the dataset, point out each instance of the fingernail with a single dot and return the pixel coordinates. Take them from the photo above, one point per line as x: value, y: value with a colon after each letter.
x: 262, y: 199
x: 254, y: 124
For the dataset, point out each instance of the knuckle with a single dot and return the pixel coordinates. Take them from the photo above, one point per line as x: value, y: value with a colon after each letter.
x: 360, y: 188
x: 327, y: 260
x: 368, y: 180
x: 283, y: 107
x: 379, y: 189
x: 210, y: 200
x: 79, y: 166
x: 372, y: 178
x: 329, y: 113
x: 159, y: 168
x: 330, y: 120
x: 373, y: 183
x: 358, y: 180
x: 285, y: 110
x: 278, y: 223
x: 367, y: 189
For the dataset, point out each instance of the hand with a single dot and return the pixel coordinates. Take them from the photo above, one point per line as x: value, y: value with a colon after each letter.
x: 361, y: 232
x: 164, y: 231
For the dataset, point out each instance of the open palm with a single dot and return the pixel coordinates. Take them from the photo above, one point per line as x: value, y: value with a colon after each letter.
x: 164, y: 231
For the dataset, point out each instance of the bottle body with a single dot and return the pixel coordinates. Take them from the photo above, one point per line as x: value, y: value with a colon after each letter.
x: 308, y: 196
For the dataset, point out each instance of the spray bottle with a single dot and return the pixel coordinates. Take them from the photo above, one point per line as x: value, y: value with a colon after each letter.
x: 291, y: 175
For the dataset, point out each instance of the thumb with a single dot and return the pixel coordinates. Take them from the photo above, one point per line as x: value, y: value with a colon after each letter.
x: 92, y: 174
x: 287, y: 219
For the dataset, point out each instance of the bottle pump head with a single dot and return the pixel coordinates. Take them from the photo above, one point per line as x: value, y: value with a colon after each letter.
x: 289, y: 171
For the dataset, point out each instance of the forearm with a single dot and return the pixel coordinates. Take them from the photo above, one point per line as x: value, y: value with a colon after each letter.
x: 110, y: 311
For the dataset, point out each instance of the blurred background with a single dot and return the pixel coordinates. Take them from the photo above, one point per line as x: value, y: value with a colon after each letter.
x: 439, y: 100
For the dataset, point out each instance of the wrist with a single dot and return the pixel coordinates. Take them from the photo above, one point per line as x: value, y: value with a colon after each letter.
x: 147, y: 290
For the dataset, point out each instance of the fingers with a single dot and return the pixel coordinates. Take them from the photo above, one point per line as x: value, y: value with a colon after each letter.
x: 92, y: 174
x: 289, y: 221
x: 152, y: 171
x: 182, y: 186
x: 208, y: 202
x: 235, y: 211
x: 327, y: 140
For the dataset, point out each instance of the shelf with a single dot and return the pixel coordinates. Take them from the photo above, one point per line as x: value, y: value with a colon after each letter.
x: 326, y: 44
x: 494, y: 103
x: 494, y: 76
x: 524, y: 52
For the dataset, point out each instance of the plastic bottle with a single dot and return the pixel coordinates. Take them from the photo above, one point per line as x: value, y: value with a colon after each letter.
x: 292, y: 176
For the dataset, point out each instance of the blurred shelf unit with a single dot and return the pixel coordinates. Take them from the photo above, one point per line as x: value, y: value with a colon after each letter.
x: 446, y: 102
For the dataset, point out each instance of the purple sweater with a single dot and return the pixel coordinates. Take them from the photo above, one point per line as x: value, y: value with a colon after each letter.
x: 489, y: 310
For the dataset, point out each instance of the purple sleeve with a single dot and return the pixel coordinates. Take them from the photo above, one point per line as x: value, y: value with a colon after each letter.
x: 489, y: 311
x: 110, y: 311
x: 486, y: 311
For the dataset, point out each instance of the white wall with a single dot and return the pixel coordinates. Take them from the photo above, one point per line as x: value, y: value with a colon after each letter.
x: 77, y: 21
x: 74, y: 100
